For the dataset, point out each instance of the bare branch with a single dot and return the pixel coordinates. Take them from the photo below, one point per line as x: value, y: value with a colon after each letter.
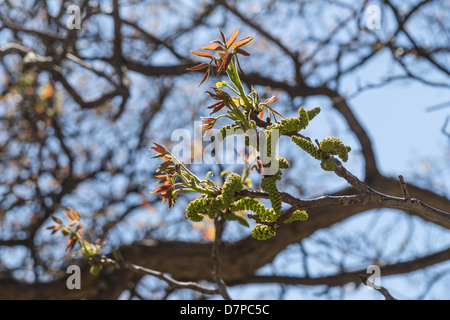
x: 382, y: 290
x: 162, y: 276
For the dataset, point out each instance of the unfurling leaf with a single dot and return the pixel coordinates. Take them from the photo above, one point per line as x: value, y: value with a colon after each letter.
x: 208, y: 119
x: 242, y: 42
x: 72, y: 215
x: 203, y: 54
x: 241, y: 51
x: 224, y: 62
x: 199, y: 66
x: 233, y: 38
x: 158, y: 148
x: 54, y: 228
x: 269, y: 100
x: 58, y: 221
x: 71, y: 242
x: 214, y: 47
x: 205, y: 76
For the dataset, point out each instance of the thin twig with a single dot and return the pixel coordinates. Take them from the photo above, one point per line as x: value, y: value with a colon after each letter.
x: 162, y: 276
x: 444, y: 127
x: 404, y: 188
x: 380, y: 289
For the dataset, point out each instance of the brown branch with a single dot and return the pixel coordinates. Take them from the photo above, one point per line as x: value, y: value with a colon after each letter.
x: 239, y: 260
x: 219, y: 224
x: 382, y: 290
x: 366, y: 195
x: 385, y: 201
x: 175, y: 284
x: 30, y: 58
x: 153, y: 39
x: 401, y: 28
x: 346, y: 277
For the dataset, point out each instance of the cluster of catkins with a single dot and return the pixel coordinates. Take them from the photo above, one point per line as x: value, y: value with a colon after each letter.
x: 225, y: 201
x: 328, y: 146
x: 212, y: 205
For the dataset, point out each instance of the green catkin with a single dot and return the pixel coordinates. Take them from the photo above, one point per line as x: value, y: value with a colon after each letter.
x: 263, y: 232
x: 313, y: 113
x: 214, y: 205
x: 249, y: 204
x: 336, y: 147
x: 194, y: 208
x: 327, y: 165
x: 269, y: 143
x: 304, y: 118
x: 228, y: 130
x: 286, y: 126
x: 265, y: 150
x: 297, y: 123
x: 268, y: 184
x: 297, y: 215
x: 283, y: 163
x: 232, y: 184
x: 308, y: 146
x: 290, y: 125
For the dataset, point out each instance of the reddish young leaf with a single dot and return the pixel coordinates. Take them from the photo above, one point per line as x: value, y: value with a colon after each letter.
x: 71, y: 242
x: 261, y: 114
x: 216, y: 107
x: 165, y: 186
x: 239, y: 65
x: 222, y: 95
x: 224, y: 62
x: 159, y: 155
x: 203, y: 54
x: 163, y: 178
x: 207, y: 126
x: 259, y: 166
x: 199, y: 66
x: 77, y: 215
x: 164, y: 166
x: 68, y: 215
x: 224, y: 39
x: 241, y: 51
x: 208, y: 119
x: 233, y: 38
x: 166, y: 158
x: 71, y: 214
x: 158, y: 148
x: 269, y: 100
x: 219, y: 43
x: 214, y: 47
x: 242, y: 42
x: 56, y: 220
x: 55, y: 228
x: 204, y: 78
x: 213, y: 95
